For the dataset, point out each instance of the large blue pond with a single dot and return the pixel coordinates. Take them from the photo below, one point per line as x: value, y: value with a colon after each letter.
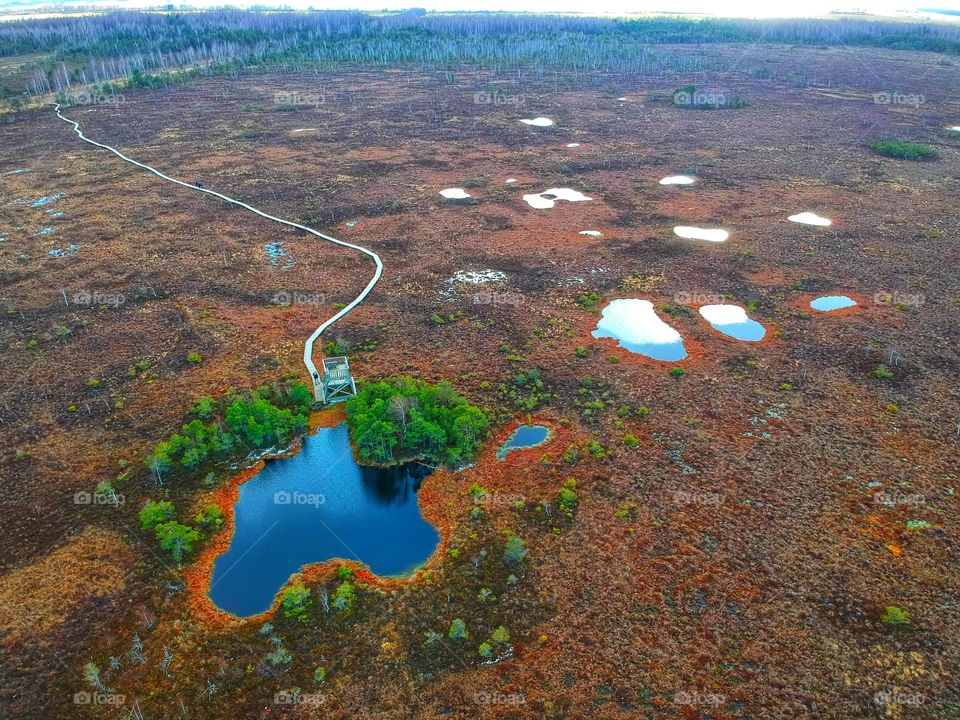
x: 314, y: 506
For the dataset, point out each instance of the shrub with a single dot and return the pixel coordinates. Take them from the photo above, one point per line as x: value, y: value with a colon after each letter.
x: 280, y: 656
x: 580, y: 352
x: 343, y: 597
x: 345, y: 573
x: 589, y: 301
x: 677, y: 372
x: 458, y: 630
x: 500, y: 636
x: 484, y: 595
x: 571, y: 455
x: 203, y: 408
x: 631, y: 441
x: 904, y: 150
x: 895, y: 616
x: 176, y: 538
x: 295, y: 600
x: 478, y: 493
x: 210, y: 518
x: 154, y: 513
x: 515, y: 551
x: 596, y: 450
x: 567, y: 498
x: 194, y: 358
x: 320, y: 674
x: 882, y: 372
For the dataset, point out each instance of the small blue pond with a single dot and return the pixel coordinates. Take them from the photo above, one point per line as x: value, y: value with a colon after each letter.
x: 525, y: 436
x: 277, y: 252
x: 832, y: 302
x: 636, y: 326
x: 732, y: 320
x: 314, y: 506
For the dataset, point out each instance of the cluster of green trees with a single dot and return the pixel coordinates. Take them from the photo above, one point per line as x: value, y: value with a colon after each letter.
x: 177, y: 538
x: 405, y: 418
x: 268, y: 417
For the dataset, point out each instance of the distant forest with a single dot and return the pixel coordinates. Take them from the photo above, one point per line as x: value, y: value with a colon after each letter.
x: 143, y: 48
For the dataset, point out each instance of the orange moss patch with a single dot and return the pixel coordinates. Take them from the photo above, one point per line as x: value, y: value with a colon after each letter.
x: 37, y: 597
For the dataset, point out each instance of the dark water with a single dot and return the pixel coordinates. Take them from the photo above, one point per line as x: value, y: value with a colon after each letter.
x: 524, y: 436
x: 314, y: 506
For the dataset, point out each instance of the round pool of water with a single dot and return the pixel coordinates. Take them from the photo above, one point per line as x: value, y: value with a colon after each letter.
x: 832, y: 302
x: 525, y: 436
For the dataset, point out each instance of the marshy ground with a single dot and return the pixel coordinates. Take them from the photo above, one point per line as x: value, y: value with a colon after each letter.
x: 733, y: 563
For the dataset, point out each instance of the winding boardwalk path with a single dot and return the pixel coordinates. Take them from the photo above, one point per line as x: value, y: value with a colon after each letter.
x: 308, y: 345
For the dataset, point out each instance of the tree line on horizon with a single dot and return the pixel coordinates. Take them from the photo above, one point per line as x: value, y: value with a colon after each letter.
x: 117, y: 46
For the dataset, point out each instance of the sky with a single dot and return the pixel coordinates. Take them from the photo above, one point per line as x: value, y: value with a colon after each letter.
x: 724, y: 8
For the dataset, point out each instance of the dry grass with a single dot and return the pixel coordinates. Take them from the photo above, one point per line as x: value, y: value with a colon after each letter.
x: 39, y: 596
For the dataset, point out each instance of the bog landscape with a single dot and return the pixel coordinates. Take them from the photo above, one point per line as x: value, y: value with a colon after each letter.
x: 453, y: 365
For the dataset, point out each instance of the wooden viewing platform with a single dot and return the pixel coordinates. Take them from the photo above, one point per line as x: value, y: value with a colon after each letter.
x: 337, y: 384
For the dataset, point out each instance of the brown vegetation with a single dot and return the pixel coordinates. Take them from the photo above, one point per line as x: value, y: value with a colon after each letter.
x: 738, y: 551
